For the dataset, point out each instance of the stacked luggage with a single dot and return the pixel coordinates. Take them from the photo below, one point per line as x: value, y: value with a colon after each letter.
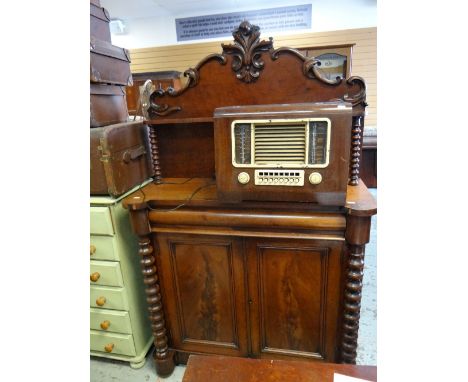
x: 120, y: 154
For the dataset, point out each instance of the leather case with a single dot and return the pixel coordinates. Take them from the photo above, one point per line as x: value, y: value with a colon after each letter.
x: 108, y: 105
x: 120, y: 158
x: 109, y: 64
x: 99, y: 22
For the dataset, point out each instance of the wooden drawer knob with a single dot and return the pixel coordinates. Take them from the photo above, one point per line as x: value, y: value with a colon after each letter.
x: 105, y: 325
x: 109, y: 347
x: 95, y: 277
x: 92, y: 250
x: 101, y: 301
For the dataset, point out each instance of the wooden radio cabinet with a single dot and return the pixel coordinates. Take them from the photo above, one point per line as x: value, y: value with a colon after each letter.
x: 267, y: 277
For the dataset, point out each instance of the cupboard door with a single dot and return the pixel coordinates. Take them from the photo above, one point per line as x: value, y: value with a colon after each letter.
x: 203, y: 286
x: 294, y: 292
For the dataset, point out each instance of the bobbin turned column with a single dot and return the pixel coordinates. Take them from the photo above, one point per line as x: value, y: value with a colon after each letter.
x: 356, y: 150
x: 153, y: 139
x: 357, y: 235
x: 163, y: 357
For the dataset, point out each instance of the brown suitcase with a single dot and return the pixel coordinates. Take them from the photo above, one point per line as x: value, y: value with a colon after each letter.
x: 109, y: 64
x: 99, y: 23
x: 120, y: 158
x: 108, y: 105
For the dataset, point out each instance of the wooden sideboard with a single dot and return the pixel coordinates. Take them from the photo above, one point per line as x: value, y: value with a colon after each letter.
x: 265, y: 281
x: 274, y: 276
x: 119, y: 325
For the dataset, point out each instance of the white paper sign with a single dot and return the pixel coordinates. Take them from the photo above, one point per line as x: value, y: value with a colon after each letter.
x: 345, y: 378
x: 294, y: 17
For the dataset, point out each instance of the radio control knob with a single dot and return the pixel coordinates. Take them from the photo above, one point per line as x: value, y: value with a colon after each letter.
x: 315, y: 178
x: 243, y: 178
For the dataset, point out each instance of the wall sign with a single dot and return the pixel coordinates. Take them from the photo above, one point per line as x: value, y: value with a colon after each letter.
x: 222, y: 25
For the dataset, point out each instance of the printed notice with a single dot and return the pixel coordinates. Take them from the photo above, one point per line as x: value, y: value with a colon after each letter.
x: 345, y: 378
x: 222, y: 25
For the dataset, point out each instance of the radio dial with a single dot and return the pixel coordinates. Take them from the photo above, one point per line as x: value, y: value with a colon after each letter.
x: 315, y: 178
x: 243, y: 178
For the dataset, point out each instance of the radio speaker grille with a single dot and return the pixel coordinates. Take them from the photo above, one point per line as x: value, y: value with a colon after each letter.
x: 285, y: 143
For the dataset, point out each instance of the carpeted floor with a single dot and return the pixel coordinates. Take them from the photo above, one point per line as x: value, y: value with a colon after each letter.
x: 103, y: 370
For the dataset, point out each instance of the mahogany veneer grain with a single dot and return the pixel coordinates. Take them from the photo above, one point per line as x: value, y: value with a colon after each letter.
x: 234, y: 369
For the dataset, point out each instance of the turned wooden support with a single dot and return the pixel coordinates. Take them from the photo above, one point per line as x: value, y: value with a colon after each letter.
x: 155, y: 154
x: 357, y: 235
x: 163, y: 357
x: 356, y: 148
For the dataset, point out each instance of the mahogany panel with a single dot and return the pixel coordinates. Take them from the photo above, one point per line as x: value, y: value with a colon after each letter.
x: 294, y: 294
x: 204, y: 293
x: 186, y: 150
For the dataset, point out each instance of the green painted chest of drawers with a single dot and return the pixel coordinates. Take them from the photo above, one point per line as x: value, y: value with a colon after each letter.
x: 119, y: 327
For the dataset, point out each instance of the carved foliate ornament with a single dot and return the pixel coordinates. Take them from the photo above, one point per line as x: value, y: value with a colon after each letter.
x: 246, y: 51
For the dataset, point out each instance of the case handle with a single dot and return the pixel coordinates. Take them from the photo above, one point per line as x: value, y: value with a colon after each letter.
x: 130, y: 155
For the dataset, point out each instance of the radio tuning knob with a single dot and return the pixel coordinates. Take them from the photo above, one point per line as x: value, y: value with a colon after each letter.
x: 243, y: 178
x: 315, y: 178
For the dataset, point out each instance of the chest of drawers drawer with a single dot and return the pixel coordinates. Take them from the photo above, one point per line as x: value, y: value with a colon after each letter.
x: 105, y: 273
x: 110, y: 321
x: 103, y: 248
x: 101, y: 221
x: 108, y: 298
x: 113, y: 343
x: 119, y: 326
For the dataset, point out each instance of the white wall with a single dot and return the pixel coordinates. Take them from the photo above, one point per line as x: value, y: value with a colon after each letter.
x: 327, y: 15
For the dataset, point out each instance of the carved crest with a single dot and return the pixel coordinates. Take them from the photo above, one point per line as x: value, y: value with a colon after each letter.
x: 247, y: 63
x: 247, y: 50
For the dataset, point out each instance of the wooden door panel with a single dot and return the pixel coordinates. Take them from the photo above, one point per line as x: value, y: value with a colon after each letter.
x: 203, y: 281
x: 294, y: 292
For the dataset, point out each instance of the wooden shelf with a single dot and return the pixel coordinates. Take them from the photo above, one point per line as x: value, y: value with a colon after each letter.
x: 202, y: 192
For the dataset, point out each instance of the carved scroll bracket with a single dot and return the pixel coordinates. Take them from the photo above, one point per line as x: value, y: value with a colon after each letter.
x: 193, y: 75
x: 247, y: 51
x: 309, y: 66
x: 360, y: 96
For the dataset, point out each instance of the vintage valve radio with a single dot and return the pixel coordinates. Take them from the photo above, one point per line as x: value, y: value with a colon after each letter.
x: 293, y: 152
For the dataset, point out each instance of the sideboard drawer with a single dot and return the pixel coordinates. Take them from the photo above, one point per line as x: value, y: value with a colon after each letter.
x: 122, y: 343
x: 101, y: 221
x: 103, y: 248
x: 110, y: 321
x: 109, y: 297
x: 105, y: 273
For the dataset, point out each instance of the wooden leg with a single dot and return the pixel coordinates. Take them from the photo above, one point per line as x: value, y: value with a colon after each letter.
x: 352, y: 303
x: 163, y: 358
x: 357, y: 235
